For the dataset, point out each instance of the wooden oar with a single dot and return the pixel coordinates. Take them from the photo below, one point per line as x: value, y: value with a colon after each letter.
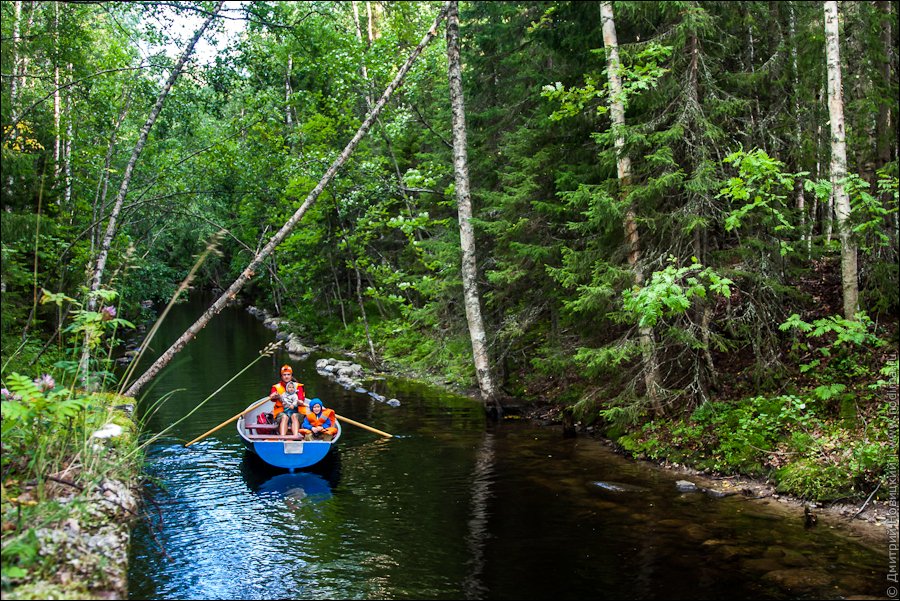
x: 363, y: 426
x: 225, y: 423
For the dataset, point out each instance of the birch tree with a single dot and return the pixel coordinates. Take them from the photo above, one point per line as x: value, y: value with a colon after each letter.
x: 14, y: 84
x: 290, y: 224
x: 112, y: 225
x: 623, y: 168
x: 849, y: 281
x: 464, y: 203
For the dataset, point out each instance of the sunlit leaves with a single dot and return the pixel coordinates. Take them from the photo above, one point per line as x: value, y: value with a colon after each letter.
x: 672, y: 291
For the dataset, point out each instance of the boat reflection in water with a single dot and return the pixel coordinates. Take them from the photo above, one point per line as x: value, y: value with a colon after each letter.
x: 307, y: 486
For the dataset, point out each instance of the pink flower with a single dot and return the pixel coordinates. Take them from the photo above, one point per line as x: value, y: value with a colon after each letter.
x: 107, y: 313
x: 45, y: 382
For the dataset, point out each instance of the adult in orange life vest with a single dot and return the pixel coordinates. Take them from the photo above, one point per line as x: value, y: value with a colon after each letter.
x: 277, y: 394
x: 320, y: 423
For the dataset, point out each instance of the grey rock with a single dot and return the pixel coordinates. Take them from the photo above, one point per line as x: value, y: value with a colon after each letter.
x: 686, y: 486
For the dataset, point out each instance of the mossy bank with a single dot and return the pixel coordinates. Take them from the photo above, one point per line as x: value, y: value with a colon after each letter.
x: 71, y: 465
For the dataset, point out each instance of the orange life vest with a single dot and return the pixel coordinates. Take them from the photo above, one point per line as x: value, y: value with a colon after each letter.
x: 318, y: 420
x: 279, y: 388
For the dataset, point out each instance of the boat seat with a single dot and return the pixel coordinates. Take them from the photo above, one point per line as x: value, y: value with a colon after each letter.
x: 260, y: 426
x: 274, y: 437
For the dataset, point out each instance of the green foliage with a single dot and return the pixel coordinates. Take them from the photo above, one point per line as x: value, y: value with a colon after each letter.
x: 868, y: 213
x: 242, y: 140
x: 842, y: 348
x: 638, y: 73
x: 671, y: 292
x: 760, y: 192
x: 787, y: 438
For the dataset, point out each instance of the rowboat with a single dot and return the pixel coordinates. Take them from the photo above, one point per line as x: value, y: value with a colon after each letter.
x: 287, y: 452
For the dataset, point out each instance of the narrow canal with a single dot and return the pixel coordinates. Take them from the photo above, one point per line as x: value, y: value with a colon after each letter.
x: 451, y: 508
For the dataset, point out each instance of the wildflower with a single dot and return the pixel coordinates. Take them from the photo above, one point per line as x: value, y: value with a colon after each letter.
x: 6, y: 395
x: 107, y: 313
x: 45, y: 382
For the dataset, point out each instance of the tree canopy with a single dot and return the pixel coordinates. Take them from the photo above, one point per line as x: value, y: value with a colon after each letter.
x: 726, y: 127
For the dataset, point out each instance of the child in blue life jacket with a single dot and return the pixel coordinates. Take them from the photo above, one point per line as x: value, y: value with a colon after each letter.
x: 320, y: 423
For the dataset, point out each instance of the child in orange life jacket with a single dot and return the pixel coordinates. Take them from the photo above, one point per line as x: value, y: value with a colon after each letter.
x: 279, y: 389
x: 293, y: 404
x: 319, y: 423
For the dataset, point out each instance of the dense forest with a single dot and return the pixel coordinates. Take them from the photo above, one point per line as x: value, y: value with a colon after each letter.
x: 683, y: 226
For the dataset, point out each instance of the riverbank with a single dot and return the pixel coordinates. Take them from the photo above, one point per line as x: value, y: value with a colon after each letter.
x: 870, y: 522
x: 69, y: 496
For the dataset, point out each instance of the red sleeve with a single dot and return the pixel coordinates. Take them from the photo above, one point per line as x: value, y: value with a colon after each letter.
x: 300, y: 394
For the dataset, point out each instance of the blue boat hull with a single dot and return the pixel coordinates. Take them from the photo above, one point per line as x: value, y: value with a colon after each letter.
x: 286, y: 454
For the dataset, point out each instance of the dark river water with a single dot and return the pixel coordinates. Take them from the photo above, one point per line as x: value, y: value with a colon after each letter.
x: 452, y: 507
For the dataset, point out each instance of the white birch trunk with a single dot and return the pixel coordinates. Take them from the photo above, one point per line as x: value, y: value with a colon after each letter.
x: 371, y: 19
x: 849, y: 278
x: 288, y: 227
x: 623, y: 166
x: 112, y: 225
x: 57, y: 134
x: 139, y: 146
x: 288, y: 91
x: 363, y: 70
x: 14, y: 85
x: 67, y: 148
x: 798, y: 132
x: 464, y: 202
x: 885, y: 122
x: 14, y: 80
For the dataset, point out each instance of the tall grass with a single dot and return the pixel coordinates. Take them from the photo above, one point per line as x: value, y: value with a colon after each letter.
x: 61, y: 443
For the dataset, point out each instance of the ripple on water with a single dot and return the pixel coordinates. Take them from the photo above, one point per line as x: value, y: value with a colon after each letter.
x: 448, y: 508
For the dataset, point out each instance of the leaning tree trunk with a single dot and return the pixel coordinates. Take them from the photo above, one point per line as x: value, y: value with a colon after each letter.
x: 623, y: 164
x: 849, y: 281
x: 99, y: 207
x: 112, y: 225
x: 138, y: 147
x: 464, y: 202
x: 291, y: 223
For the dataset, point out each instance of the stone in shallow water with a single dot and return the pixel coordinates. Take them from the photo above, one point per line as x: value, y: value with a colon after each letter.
x: 394, y: 403
x: 695, y: 531
x: 798, y: 579
x: 618, y: 486
x: 686, y: 486
x: 761, y: 564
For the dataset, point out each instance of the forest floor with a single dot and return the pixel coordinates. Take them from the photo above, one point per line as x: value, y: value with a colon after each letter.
x: 871, y: 523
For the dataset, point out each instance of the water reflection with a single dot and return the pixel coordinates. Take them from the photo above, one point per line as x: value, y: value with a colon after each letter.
x: 482, y: 475
x: 446, y: 509
x: 308, y: 487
